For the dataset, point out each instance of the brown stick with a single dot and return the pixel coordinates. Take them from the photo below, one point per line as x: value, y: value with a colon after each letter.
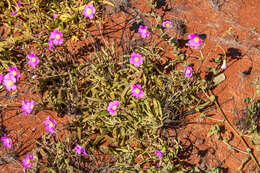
x: 249, y: 150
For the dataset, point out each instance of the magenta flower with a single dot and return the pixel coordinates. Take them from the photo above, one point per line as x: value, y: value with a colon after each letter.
x: 79, y: 149
x: 143, y: 30
x: 9, y: 81
x: 19, y: 4
x: 158, y: 153
x: 14, y: 71
x: 1, y: 77
x: 27, y: 161
x: 50, y: 44
x: 33, y: 59
x: 224, y: 65
x: 167, y: 24
x: 7, y: 141
x: 188, y: 71
x: 55, y: 38
x: 136, y: 91
x: 50, y: 124
x: 54, y: 16
x: 195, y: 41
x: 112, y: 107
x: 14, y: 13
x: 136, y: 59
x: 27, y: 107
x: 89, y: 10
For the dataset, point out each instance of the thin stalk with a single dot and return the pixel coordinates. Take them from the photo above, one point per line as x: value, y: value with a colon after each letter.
x: 249, y: 150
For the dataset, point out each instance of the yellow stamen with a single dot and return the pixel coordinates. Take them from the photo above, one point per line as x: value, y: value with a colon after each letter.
x: 145, y: 30
x: 114, y: 108
x: 51, y: 125
x: 89, y: 11
x: 167, y: 25
x: 58, y: 36
x: 137, y: 90
x: 14, y: 72
x: 33, y: 59
x: 32, y: 106
x: 28, y: 161
x: 188, y: 71
x: 7, y: 140
x: 10, y: 82
x: 136, y: 59
x: 196, y: 39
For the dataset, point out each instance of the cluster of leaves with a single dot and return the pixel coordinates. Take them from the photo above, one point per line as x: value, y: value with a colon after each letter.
x: 92, y: 85
x: 252, y: 114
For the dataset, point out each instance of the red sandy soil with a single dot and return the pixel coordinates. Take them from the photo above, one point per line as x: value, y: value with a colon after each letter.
x: 202, y: 17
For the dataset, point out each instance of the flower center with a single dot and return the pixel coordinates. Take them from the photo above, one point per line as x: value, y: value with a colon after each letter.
x: 89, y: 11
x: 145, y: 30
x: 196, y: 39
x: 31, y: 106
x: 188, y: 71
x: 14, y: 72
x: 114, y: 108
x: 33, y: 59
x: 27, y: 108
x: 137, y: 90
x: 58, y: 36
x: 7, y: 140
x: 51, y: 125
x: 167, y: 25
x: 28, y: 161
x: 10, y: 82
x: 136, y: 59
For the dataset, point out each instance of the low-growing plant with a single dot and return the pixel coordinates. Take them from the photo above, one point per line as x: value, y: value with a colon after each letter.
x: 106, y: 78
x: 124, y: 98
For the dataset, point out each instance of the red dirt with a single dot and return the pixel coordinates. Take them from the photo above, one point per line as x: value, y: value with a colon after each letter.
x: 200, y: 17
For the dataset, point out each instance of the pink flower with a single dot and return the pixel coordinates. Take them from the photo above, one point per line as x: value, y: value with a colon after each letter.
x: 33, y: 60
x: 143, y: 30
x: 56, y: 37
x: 158, y: 165
x: 136, y: 91
x: 50, y: 124
x: 112, y: 107
x: 89, y: 10
x: 9, y: 81
x: 14, y: 71
x: 54, y: 16
x: 27, y: 107
x: 7, y: 141
x: 27, y: 161
x: 167, y: 24
x: 188, y: 71
x: 158, y: 153
x: 79, y: 149
x: 195, y: 41
x: 19, y: 4
x: 14, y: 13
x: 1, y: 77
x: 136, y: 59
x: 224, y: 65
x: 50, y: 44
